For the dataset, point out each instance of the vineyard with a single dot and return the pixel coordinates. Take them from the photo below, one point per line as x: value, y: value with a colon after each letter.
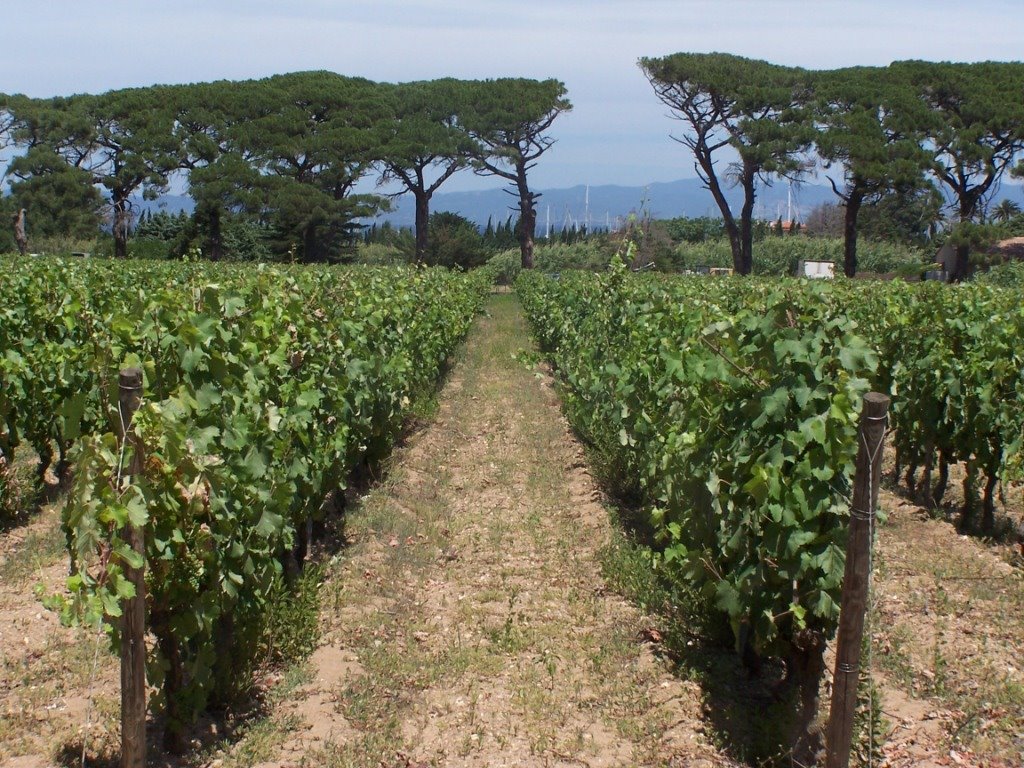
x: 264, y: 390
x: 321, y: 488
x: 736, y: 380
x: 726, y: 410
x: 729, y: 410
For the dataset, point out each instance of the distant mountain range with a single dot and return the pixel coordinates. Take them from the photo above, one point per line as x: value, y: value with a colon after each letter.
x: 602, y: 206
x: 606, y: 206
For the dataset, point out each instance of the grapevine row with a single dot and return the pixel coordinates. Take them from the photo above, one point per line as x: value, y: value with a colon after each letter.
x: 729, y: 409
x: 952, y: 359
x: 264, y: 389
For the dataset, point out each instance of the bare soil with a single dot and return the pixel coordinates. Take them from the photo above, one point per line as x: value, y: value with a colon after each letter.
x: 948, y: 639
x: 58, y: 686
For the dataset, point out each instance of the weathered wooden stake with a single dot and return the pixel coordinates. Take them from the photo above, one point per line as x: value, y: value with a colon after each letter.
x: 133, y: 645
x: 19, y: 232
x: 856, y: 579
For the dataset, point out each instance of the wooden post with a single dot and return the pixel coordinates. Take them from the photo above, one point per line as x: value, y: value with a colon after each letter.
x: 133, y: 634
x: 19, y: 232
x: 856, y: 579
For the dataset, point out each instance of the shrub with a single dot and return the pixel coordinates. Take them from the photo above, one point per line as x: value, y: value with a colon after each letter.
x: 780, y: 256
x: 291, y: 626
x: 245, y: 240
x: 62, y: 246
x: 696, y: 230
x: 283, y: 631
x: 454, y: 241
x: 556, y: 257
x: 379, y: 254
x: 505, y: 266
x: 149, y: 248
x: 1009, y: 275
x: 9, y: 496
x: 20, y: 488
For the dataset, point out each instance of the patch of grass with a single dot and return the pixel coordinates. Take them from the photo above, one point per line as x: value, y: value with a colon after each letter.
x: 254, y: 736
x: 258, y: 741
x: 365, y: 704
x: 100, y: 744
x: 292, y: 621
x: 893, y: 658
x: 869, y: 724
x: 748, y: 718
x: 379, y: 748
x: 293, y: 678
x: 510, y: 637
x: 43, y: 546
x: 628, y: 569
x: 20, y: 490
x: 952, y: 632
x: 280, y: 634
x: 939, y: 681
x: 409, y: 517
x: 37, y: 679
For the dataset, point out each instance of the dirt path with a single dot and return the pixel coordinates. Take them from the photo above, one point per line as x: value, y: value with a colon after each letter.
x: 948, y: 632
x: 468, y: 624
x: 58, y: 686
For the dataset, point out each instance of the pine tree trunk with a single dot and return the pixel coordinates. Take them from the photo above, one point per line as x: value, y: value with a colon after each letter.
x: 736, y: 246
x: 968, y: 203
x: 850, y: 233
x: 527, y: 217
x: 215, y: 236
x: 527, y: 225
x: 120, y: 226
x: 19, y: 232
x: 707, y: 169
x: 309, y: 244
x: 747, y: 223
x: 962, y: 264
x: 422, y: 224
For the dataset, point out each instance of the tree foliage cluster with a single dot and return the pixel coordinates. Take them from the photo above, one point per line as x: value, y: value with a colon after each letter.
x: 285, y: 152
x: 385, y: 243
x: 895, y: 134
x: 452, y: 240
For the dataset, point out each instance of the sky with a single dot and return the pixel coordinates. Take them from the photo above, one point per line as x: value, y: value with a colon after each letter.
x: 617, y: 132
